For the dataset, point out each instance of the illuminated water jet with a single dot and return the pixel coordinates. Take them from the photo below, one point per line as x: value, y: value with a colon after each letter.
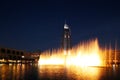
x: 84, y: 54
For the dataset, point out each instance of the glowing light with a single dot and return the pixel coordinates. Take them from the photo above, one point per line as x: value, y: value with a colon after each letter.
x: 23, y: 56
x: 66, y: 26
x: 84, y: 54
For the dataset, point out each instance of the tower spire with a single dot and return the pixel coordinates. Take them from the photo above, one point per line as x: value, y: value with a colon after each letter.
x: 66, y: 37
x: 65, y: 25
x: 65, y: 21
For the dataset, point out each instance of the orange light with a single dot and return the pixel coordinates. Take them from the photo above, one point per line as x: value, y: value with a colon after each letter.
x: 85, y: 54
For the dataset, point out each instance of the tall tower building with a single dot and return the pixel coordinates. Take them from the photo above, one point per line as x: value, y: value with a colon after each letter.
x: 66, y: 42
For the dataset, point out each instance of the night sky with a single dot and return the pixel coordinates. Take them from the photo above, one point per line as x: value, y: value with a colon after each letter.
x: 31, y: 25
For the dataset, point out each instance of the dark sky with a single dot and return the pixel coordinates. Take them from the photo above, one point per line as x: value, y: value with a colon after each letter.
x: 30, y: 25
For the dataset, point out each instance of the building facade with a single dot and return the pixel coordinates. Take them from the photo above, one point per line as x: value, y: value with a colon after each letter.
x: 8, y: 55
x: 66, y: 41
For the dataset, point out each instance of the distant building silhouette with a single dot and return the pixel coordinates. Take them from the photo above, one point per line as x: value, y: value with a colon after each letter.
x: 66, y: 41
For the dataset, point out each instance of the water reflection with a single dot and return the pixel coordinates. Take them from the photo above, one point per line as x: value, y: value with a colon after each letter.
x: 69, y: 73
x: 17, y: 72
x: 36, y: 72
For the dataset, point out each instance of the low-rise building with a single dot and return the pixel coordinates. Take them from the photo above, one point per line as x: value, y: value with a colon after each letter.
x: 8, y: 55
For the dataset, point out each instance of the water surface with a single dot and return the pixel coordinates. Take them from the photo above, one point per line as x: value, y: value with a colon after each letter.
x: 37, y: 72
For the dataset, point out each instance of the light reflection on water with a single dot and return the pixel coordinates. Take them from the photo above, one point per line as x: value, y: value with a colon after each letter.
x: 69, y: 73
x: 36, y: 72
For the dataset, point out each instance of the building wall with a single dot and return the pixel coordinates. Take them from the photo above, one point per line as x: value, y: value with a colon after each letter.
x: 17, y: 56
x: 11, y: 54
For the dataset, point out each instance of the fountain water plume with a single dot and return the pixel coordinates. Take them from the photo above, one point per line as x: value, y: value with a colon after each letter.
x: 87, y: 53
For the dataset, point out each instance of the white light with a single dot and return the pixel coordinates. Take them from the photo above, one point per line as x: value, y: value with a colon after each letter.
x: 23, y: 56
x: 66, y: 26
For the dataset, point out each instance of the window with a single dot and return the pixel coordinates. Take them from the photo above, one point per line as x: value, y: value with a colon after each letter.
x: 8, y: 51
x: 2, y: 50
x: 21, y: 53
x: 17, y: 53
x: 13, y: 52
x: 14, y: 57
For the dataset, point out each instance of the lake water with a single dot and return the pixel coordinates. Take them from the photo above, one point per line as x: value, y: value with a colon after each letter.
x: 37, y: 72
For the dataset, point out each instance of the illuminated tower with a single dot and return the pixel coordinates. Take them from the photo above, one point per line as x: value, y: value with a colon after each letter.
x: 66, y: 43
